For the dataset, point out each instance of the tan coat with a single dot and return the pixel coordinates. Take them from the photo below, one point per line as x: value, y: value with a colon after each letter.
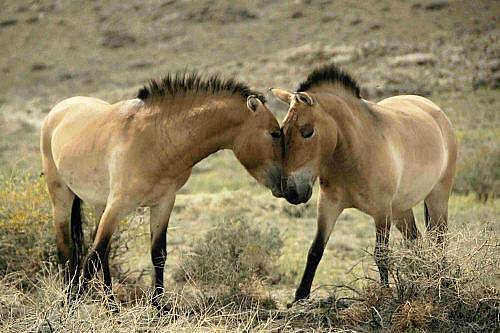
x: 381, y: 158
x: 117, y: 157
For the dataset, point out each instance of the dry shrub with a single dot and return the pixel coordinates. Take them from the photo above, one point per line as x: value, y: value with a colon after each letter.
x: 435, y: 289
x: 448, y: 289
x: 234, y: 258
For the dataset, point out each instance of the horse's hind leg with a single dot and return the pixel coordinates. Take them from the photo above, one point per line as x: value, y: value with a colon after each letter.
x: 98, y: 211
x: 62, y: 201
x: 436, y: 210
x: 405, y: 222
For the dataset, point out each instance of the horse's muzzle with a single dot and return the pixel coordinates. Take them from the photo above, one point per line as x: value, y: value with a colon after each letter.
x: 295, y: 193
x: 274, y: 182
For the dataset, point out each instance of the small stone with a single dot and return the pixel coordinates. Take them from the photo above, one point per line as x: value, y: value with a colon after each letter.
x: 117, y: 39
x: 413, y: 59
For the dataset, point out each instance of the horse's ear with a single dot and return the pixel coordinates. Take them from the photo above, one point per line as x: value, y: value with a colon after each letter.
x: 282, y: 95
x: 305, y: 98
x: 253, y: 102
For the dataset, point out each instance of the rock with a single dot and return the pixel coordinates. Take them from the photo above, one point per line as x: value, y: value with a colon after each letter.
x: 342, y: 59
x: 8, y: 22
x: 436, y: 5
x: 167, y: 3
x: 227, y: 15
x: 140, y: 64
x: 413, y: 59
x: 355, y: 21
x: 297, y: 14
x: 315, y: 53
x: 38, y: 67
x: 115, y: 39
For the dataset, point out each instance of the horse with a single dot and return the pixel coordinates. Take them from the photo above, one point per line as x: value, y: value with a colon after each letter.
x: 380, y: 158
x: 140, y: 152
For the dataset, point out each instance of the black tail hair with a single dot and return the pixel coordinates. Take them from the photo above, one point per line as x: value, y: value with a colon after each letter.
x: 77, y: 232
x: 427, y: 217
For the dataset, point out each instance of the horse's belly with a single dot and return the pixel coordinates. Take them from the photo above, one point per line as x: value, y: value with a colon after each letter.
x: 87, y: 178
x: 415, y: 185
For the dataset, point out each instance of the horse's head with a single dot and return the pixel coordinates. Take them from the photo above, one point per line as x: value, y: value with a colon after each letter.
x: 305, y: 128
x: 258, y: 145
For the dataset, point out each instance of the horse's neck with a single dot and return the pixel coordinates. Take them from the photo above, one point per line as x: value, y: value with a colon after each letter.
x: 357, y: 131
x: 191, y: 133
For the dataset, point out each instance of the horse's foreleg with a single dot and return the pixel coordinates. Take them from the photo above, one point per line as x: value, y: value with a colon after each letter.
x: 99, y: 251
x: 328, y: 212
x: 160, y: 215
x: 383, y: 227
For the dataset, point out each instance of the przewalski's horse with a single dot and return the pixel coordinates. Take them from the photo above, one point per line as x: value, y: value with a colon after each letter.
x: 139, y: 152
x: 381, y: 158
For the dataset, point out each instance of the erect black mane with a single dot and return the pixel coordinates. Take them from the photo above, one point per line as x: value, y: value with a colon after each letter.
x: 184, y: 82
x: 333, y: 75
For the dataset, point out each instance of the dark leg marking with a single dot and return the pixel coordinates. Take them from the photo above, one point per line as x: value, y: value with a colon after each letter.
x: 158, y: 257
x: 313, y: 258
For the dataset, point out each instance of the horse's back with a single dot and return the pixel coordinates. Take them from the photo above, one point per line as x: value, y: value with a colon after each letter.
x: 416, y: 106
x: 72, y: 105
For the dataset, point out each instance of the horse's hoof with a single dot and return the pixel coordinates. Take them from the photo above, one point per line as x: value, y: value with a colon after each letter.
x: 112, y: 306
x: 165, y: 309
x: 295, y: 302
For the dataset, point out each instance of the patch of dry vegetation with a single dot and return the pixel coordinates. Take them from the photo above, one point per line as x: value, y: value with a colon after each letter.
x: 227, y: 280
x: 232, y: 256
x: 454, y: 289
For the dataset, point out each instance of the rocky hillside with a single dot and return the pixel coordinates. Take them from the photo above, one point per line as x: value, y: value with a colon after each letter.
x: 51, y: 49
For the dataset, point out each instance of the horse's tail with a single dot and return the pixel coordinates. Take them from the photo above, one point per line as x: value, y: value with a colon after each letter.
x: 427, y: 217
x: 77, y: 232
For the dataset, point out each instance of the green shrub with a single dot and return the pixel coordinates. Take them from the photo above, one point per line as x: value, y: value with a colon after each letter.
x: 26, y: 233
x: 480, y: 172
x: 232, y: 256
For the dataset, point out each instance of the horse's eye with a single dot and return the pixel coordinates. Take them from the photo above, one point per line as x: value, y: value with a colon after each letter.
x: 307, y: 131
x: 276, y: 134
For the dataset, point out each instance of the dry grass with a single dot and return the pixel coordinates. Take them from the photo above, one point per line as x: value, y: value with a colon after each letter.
x: 454, y: 289
x: 433, y: 289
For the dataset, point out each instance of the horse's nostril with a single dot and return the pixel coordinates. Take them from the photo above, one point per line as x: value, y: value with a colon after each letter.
x: 292, y: 193
x: 283, y: 184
